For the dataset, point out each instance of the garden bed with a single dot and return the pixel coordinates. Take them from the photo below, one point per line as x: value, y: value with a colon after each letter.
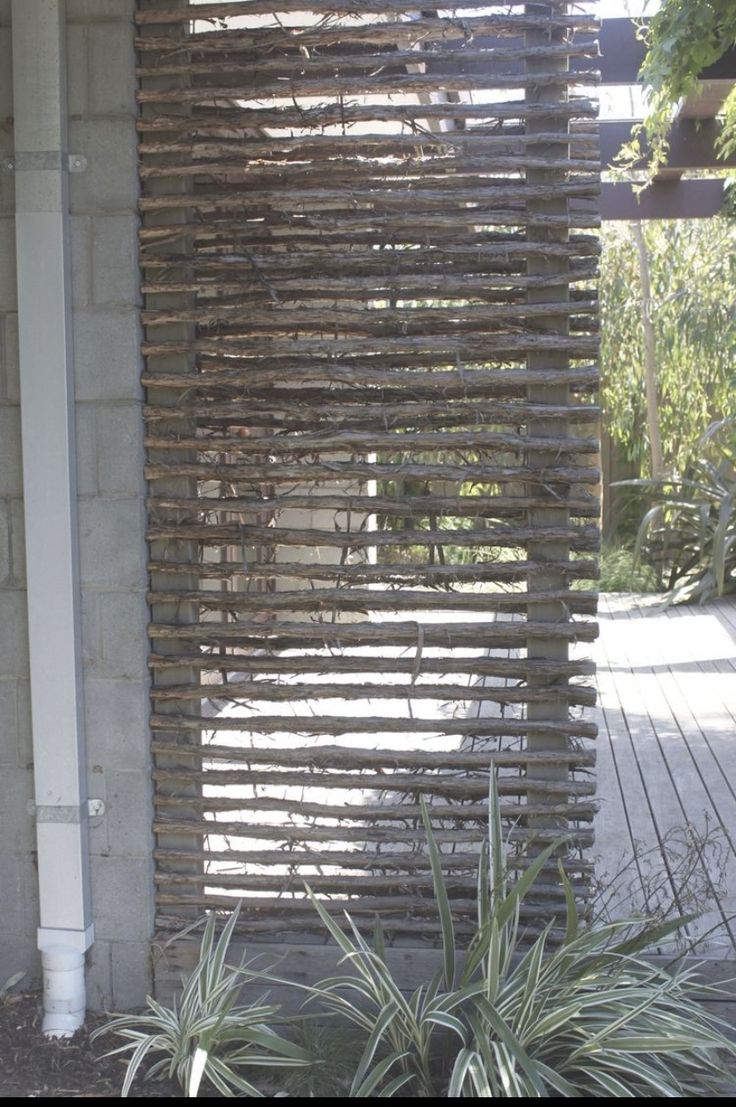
x: 37, y: 1067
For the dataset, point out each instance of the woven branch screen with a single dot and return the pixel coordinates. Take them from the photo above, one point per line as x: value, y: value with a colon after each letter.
x: 368, y: 257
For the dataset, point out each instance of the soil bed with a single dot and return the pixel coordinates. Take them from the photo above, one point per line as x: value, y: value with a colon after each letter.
x: 32, y: 1066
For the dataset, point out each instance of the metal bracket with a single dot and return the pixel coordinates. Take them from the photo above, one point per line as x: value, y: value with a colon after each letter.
x: 65, y: 813
x: 43, y: 159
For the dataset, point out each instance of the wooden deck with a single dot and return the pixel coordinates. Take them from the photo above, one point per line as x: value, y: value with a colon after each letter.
x: 667, y: 762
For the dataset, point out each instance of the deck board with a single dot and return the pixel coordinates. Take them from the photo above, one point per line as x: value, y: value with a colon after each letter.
x: 667, y: 759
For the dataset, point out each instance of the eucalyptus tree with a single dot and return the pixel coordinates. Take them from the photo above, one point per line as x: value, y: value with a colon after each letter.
x: 691, y: 267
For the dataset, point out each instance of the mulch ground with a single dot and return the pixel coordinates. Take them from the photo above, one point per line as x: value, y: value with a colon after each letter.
x: 32, y: 1066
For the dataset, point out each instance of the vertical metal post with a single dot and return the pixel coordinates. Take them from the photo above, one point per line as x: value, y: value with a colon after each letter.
x: 49, y: 471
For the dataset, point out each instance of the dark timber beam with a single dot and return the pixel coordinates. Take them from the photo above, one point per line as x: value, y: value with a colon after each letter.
x: 692, y: 143
x: 662, y: 200
x: 622, y: 54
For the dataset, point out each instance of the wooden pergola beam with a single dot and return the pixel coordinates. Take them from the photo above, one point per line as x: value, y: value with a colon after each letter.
x: 662, y: 199
x: 692, y: 143
x: 622, y: 54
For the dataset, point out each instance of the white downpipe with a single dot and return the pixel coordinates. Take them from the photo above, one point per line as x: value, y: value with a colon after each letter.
x: 64, y: 996
x: 50, y: 504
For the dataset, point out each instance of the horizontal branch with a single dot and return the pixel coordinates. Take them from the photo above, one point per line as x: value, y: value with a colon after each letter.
x: 277, y: 473
x: 478, y: 507
x: 342, y: 600
x: 475, y: 440
x: 278, y: 319
x: 249, y: 534
x: 377, y: 860
x: 364, y: 382
x: 289, y: 635
x: 341, y: 724
x: 466, y: 786
x: 233, y: 121
x: 334, y: 86
x: 340, y: 757
x: 451, y: 195
x: 383, y: 814
x: 451, y: 346
x: 357, y: 882
x: 464, y: 258
x: 438, y: 576
x: 251, y: 285
x: 453, y: 821
x: 324, y: 228
x: 294, y: 414
x: 332, y: 8
x: 280, y: 692
x: 519, y: 668
x: 423, y: 31
x: 249, y: 66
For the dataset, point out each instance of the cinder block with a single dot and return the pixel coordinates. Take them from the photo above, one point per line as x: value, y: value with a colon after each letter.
x: 100, y: 9
x: 18, y: 953
x: 81, y: 241
x: 6, y: 66
x: 120, y: 454
x: 112, y: 80
x: 110, y: 455
x: 91, y: 634
x: 11, y: 887
x: 8, y: 285
x: 112, y: 550
x: 107, y: 355
x: 16, y: 824
x: 8, y: 723
x: 99, y: 976
x: 99, y: 844
x: 116, y: 277
x: 129, y: 814
x: 122, y: 894
x: 9, y: 359
x: 23, y: 716
x: 14, y: 636
x: 132, y: 978
x: 110, y: 181
x: 11, y: 480
x: 17, y: 543
x: 31, y: 912
x: 86, y: 432
x: 124, y: 628
x: 77, y: 70
x: 117, y: 723
x: 6, y: 567
x: 7, y: 180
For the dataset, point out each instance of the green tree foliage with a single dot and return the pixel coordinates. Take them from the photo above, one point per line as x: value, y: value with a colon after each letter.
x: 693, y: 275
x: 683, y: 38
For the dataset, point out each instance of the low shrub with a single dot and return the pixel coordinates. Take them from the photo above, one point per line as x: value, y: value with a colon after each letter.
x: 207, y: 1034
x: 689, y: 532
x: 577, y: 1011
x: 586, y: 1016
x: 622, y: 571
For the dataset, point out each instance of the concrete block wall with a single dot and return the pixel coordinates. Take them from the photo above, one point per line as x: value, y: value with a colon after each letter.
x: 101, y: 97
